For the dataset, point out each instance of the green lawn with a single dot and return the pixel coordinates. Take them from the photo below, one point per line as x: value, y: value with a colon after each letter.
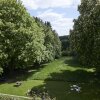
x: 57, y: 77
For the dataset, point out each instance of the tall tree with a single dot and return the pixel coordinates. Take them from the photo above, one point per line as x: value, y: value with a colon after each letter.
x: 51, y: 40
x: 85, y: 36
x: 21, y: 40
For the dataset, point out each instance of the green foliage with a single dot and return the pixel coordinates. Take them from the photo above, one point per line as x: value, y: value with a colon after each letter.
x: 15, y: 33
x: 65, y: 43
x: 85, y: 37
x: 24, y: 41
x: 51, y: 41
x: 1, y: 71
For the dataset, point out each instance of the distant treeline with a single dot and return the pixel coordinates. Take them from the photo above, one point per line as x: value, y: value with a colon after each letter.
x: 65, y: 45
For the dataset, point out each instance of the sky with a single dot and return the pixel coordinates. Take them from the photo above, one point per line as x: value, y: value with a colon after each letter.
x: 60, y: 13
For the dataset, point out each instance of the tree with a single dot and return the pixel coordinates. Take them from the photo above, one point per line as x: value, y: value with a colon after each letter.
x: 85, y: 36
x: 65, y: 43
x: 52, y: 43
x: 51, y: 40
x: 57, y: 45
x: 21, y: 40
x: 14, y: 34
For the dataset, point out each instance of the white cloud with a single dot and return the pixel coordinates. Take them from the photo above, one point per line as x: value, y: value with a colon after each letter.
x: 42, y: 4
x: 58, y: 21
x: 30, y: 4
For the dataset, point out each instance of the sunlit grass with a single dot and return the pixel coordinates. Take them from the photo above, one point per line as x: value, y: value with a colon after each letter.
x: 58, y: 66
x: 57, y: 77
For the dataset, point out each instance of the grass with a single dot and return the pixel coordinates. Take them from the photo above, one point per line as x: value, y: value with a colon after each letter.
x: 8, y: 88
x: 57, y: 77
x: 57, y: 67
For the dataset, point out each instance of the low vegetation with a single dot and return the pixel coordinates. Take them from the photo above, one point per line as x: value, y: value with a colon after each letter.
x: 57, y: 78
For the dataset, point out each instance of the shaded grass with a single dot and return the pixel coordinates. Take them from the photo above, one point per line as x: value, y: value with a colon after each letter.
x: 63, y: 67
x: 61, y: 90
x: 58, y: 89
x: 57, y: 77
x: 58, y: 66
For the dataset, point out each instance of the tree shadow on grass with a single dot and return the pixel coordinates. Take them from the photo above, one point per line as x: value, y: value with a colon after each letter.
x: 71, y: 61
x: 74, y: 76
x: 21, y: 75
x: 58, y: 85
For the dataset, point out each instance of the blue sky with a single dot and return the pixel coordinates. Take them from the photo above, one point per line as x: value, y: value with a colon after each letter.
x: 60, y: 13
